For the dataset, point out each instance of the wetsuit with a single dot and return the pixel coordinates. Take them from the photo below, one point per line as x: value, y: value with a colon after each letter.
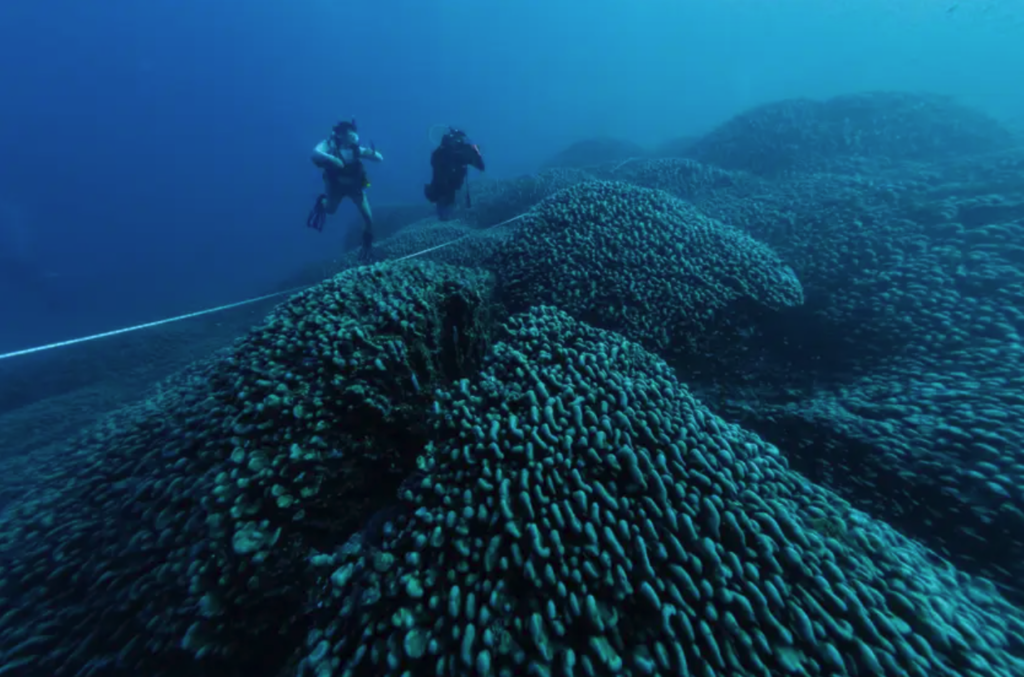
x: 450, y: 161
x: 344, y: 177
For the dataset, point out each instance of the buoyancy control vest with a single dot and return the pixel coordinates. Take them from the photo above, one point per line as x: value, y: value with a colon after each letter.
x: 354, y: 172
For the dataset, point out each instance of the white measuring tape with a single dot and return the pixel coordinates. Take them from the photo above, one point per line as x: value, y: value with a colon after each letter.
x: 257, y: 299
x: 229, y: 306
x: 147, y: 325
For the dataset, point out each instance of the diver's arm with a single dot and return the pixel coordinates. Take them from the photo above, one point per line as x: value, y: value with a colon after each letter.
x: 472, y: 156
x: 370, y: 154
x: 323, y: 159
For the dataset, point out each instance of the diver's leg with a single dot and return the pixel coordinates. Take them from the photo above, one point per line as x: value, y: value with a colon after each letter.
x: 363, y: 203
x: 333, y: 195
x: 445, y: 206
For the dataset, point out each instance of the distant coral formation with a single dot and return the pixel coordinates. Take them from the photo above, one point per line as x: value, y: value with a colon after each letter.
x: 754, y: 407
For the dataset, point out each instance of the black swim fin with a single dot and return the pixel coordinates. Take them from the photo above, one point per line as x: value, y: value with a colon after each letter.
x: 318, y: 215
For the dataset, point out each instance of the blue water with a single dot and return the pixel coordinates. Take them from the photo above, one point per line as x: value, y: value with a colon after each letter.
x: 720, y: 372
x: 156, y: 154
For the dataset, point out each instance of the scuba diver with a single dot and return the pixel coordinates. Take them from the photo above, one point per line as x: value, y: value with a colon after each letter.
x: 341, y: 157
x: 449, y: 162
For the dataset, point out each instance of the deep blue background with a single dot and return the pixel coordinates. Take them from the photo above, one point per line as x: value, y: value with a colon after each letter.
x: 154, y: 154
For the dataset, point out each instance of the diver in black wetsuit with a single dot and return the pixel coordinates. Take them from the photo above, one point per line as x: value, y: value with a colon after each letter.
x: 449, y: 162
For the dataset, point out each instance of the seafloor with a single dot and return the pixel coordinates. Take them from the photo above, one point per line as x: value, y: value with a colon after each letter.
x: 749, y: 404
